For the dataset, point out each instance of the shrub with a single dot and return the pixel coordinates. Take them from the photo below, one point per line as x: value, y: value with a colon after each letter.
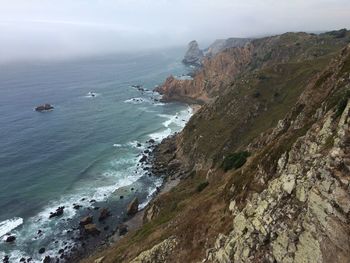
x: 202, y: 186
x: 235, y: 160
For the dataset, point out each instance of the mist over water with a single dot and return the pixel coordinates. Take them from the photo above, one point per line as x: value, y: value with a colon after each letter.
x: 50, y: 29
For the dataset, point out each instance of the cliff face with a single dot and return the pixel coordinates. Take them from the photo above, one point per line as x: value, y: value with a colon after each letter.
x: 288, y: 109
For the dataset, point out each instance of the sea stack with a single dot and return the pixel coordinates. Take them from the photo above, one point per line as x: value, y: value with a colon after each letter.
x: 193, y: 55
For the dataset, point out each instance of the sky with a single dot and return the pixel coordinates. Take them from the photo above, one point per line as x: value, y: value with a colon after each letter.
x: 60, y: 29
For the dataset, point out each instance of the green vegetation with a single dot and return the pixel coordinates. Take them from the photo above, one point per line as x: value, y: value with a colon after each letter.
x: 202, y: 186
x: 235, y: 160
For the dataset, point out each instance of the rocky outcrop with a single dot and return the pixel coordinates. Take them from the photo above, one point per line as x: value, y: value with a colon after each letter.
x: 159, y: 253
x: 193, y: 54
x: 45, y: 107
x: 133, y: 207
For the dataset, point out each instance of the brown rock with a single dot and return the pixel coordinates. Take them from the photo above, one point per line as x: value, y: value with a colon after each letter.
x: 91, y: 229
x: 133, y: 207
x: 104, y: 214
x: 86, y: 220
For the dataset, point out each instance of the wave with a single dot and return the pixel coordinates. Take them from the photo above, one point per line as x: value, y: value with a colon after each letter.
x: 135, y: 100
x: 9, y: 225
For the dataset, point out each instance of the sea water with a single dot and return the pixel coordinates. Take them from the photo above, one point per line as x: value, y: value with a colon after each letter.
x: 83, y: 150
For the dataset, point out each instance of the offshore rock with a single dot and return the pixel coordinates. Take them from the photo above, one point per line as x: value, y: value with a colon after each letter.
x: 193, y: 55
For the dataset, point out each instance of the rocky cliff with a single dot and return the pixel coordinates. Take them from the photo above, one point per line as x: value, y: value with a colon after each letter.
x: 261, y: 173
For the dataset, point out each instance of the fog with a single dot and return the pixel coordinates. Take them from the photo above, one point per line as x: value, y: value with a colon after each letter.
x: 61, y: 29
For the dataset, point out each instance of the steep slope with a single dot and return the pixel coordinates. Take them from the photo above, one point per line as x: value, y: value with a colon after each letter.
x: 287, y: 202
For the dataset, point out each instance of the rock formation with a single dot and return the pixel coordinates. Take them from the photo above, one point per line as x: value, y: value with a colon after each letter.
x: 193, y: 54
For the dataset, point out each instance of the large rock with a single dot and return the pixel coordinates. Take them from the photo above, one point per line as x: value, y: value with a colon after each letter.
x: 45, y: 107
x: 193, y: 55
x: 10, y: 239
x: 104, y: 214
x: 91, y: 229
x: 133, y: 207
x: 86, y: 220
x: 58, y: 212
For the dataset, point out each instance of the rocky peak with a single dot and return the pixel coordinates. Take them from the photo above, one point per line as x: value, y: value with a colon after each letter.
x: 193, y: 54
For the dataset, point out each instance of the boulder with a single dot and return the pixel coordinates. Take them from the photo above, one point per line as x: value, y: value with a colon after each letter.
x: 104, y: 214
x: 10, y: 239
x: 86, y: 220
x: 42, y: 250
x: 59, y: 212
x: 122, y: 229
x: 91, y: 229
x: 133, y: 207
x: 143, y: 159
x: 77, y: 207
x: 44, y: 107
x: 47, y: 259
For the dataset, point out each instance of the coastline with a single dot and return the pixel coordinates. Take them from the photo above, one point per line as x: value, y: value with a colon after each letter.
x: 163, y: 166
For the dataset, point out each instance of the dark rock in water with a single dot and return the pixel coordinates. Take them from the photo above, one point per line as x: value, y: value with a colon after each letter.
x: 133, y: 207
x: 151, y: 141
x: 22, y: 260
x: 61, y: 251
x: 47, y: 259
x: 6, y: 259
x: 122, y: 229
x: 138, y: 144
x: 104, y: 214
x: 41, y: 250
x: 59, y: 212
x: 10, y: 239
x: 44, y: 107
x: 143, y: 159
x: 93, y: 201
x: 91, y: 229
x: 106, y: 228
x: 121, y: 197
x: 86, y: 220
x: 77, y: 207
x: 146, y: 151
x: 96, y: 207
x: 132, y: 189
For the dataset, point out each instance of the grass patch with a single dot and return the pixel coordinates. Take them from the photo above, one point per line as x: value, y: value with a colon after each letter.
x: 235, y: 160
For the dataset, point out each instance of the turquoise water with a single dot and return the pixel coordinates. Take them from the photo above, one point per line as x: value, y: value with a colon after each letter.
x: 86, y: 147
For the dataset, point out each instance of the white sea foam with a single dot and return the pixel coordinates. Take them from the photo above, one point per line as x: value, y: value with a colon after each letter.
x: 9, y: 224
x: 117, y: 145
x: 92, y: 95
x: 135, y: 100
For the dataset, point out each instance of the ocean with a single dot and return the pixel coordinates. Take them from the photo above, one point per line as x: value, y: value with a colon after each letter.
x: 86, y: 151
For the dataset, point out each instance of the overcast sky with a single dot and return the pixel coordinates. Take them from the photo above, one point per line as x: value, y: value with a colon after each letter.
x: 67, y: 28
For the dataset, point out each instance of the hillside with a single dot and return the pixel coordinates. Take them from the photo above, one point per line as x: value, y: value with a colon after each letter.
x: 262, y: 170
